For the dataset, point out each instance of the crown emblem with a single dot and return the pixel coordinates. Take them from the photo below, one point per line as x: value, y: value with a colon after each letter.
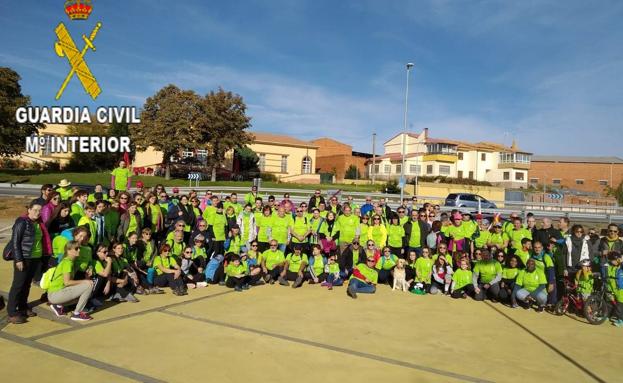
x: 78, y: 9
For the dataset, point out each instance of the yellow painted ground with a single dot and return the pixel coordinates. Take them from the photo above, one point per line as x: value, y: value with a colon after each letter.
x: 279, y: 334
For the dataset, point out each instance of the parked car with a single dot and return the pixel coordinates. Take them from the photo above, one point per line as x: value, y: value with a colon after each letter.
x: 468, y: 200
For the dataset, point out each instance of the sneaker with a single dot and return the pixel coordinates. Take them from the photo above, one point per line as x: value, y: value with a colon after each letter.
x: 272, y: 281
x: 59, y: 310
x: 30, y: 313
x: 155, y: 290
x: 131, y: 298
x: 618, y: 323
x: 268, y: 279
x: 260, y: 283
x: 539, y: 309
x: 238, y: 289
x: 514, y: 305
x: 246, y: 286
x: 18, y: 319
x: 283, y: 282
x: 350, y: 291
x: 221, y: 283
x: 324, y: 284
x: 140, y: 291
x: 81, y: 316
x: 329, y: 286
x: 297, y: 283
x: 191, y: 286
x: 202, y: 284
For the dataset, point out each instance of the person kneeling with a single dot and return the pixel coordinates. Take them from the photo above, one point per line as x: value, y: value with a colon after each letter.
x: 63, y: 288
x: 236, y: 272
x: 364, y: 279
x: 168, y: 272
x: 530, y: 286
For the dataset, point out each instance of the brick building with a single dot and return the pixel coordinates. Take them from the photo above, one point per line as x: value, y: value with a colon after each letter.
x: 588, y: 174
x: 335, y: 156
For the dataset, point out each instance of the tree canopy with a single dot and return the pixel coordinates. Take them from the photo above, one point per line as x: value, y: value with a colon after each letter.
x: 13, y: 134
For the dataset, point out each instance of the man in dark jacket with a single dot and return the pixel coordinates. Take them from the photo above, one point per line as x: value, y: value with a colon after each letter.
x: 416, y: 231
x: 354, y: 251
x: 29, y: 243
x: 315, y: 201
x: 611, y: 242
x: 45, y: 192
x: 546, y: 232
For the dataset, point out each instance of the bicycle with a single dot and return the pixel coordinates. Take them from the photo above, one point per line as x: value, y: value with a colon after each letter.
x: 599, y: 304
x: 570, y: 297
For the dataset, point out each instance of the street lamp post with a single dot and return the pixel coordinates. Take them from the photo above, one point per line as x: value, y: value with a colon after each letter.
x: 404, y: 138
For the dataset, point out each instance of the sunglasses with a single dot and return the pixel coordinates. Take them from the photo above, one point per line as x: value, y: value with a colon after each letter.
x: 613, y: 231
x: 123, y: 198
x: 377, y: 219
x: 188, y: 252
x: 166, y: 252
x: 370, y: 244
x: 401, y: 211
x: 370, y: 260
x: 299, y: 211
x: 253, y: 245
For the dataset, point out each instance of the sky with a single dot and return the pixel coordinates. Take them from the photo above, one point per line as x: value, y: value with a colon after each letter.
x: 548, y: 74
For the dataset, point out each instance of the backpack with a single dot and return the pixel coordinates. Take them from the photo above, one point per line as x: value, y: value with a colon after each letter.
x: 619, y: 278
x: 47, y: 278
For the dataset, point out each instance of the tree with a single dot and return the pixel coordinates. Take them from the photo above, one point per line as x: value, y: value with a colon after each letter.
x: 247, y: 159
x: 617, y: 193
x: 352, y: 173
x: 13, y: 134
x: 167, y: 123
x: 223, y: 124
x: 122, y: 129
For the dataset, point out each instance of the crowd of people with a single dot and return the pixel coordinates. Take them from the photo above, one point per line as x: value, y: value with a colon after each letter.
x: 86, y: 248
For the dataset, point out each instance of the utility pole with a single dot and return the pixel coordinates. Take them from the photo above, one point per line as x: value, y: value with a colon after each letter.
x: 373, y: 158
x: 404, y: 138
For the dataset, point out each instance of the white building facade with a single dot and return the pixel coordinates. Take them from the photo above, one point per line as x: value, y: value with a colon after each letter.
x: 483, y: 161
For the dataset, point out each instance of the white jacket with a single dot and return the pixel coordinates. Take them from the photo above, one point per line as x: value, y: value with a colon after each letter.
x: 252, y: 228
x: 584, y: 253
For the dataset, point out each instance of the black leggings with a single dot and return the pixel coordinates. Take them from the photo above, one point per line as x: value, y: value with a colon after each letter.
x: 167, y: 279
x: 385, y: 276
x: 458, y: 293
x: 232, y: 282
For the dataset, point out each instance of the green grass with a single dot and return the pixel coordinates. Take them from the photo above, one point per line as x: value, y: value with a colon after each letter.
x: 38, y: 177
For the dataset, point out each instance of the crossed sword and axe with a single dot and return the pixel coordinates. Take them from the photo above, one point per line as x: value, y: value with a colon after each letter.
x: 65, y: 46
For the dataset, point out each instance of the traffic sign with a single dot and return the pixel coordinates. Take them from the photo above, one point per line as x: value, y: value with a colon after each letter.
x: 555, y: 196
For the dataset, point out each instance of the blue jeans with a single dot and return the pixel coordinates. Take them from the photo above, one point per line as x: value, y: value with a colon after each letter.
x: 282, y: 247
x: 539, y: 294
x: 335, y: 281
x: 361, y: 287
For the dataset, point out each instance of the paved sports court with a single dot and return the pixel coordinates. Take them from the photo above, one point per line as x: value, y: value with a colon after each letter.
x: 275, y: 333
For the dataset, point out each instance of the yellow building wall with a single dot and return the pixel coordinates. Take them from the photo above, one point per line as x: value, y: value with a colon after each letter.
x: 440, y: 191
x: 295, y: 155
x: 149, y: 158
x: 50, y: 130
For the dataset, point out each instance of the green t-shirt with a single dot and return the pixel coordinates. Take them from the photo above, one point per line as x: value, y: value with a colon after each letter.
x: 273, y: 258
x: 415, y: 239
x: 461, y: 278
x: 58, y: 278
x: 542, y: 265
x: 347, y: 227
x: 77, y: 211
x: 295, y: 261
x: 37, y: 245
x: 318, y: 265
x: 517, y: 235
x: 612, y: 283
x: 166, y: 262
x: 498, y: 239
x: 371, y: 274
x: 395, y: 233
x: 121, y: 178
x: 300, y: 226
x: 530, y: 281
x: 333, y: 268
x: 84, y: 259
x: 585, y: 283
x: 58, y: 245
x: 263, y: 224
x: 481, y: 240
x: 234, y: 271
x: 510, y: 273
x: 119, y: 264
x: 523, y: 255
x: 219, y: 223
x: 279, y: 228
x: 89, y: 223
x: 487, y: 270
x: 423, y: 268
x: 386, y: 263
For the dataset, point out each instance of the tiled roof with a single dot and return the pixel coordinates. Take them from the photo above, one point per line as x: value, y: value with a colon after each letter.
x: 578, y: 159
x: 271, y: 138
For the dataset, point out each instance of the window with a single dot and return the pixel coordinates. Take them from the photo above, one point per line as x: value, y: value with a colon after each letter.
x: 187, y: 153
x: 534, y: 181
x: 444, y: 170
x: 507, y: 176
x: 483, y: 156
x: 520, y: 158
x: 377, y: 169
x: 261, y: 164
x: 556, y: 181
x: 603, y: 182
x: 398, y: 168
x: 387, y: 169
x: 429, y: 169
x: 460, y: 155
x: 460, y: 174
x: 306, y: 165
x: 471, y: 174
x: 519, y: 176
x: 284, y: 164
x: 415, y: 169
x: 202, y: 153
x: 579, y: 182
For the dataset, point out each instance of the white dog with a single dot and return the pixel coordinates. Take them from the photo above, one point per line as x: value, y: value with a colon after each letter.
x: 400, y: 282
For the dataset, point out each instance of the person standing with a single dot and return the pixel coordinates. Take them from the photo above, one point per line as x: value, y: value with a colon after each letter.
x: 120, y: 179
x: 315, y: 201
x: 64, y: 190
x: 29, y: 243
x: 45, y: 195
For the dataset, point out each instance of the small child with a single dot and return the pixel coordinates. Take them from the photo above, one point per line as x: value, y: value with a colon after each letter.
x: 410, y: 268
x: 332, y: 272
x: 251, y: 261
x: 614, y: 274
x: 236, y: 274
x: 584, y: 279
x: 423, y: 272
x: 509, y: 274
x: 442, y: 277
x: 462, y: 284
x: 328, y: 245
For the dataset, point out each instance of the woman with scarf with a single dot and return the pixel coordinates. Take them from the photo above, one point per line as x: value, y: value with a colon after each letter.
x: 184, y: 211
x: 246, y: 222
x: 48, y: 209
